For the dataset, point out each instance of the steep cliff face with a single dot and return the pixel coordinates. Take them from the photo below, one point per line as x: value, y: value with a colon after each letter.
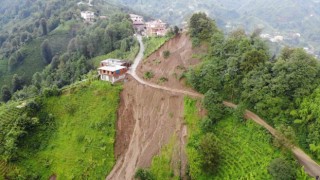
x: 147, y: 119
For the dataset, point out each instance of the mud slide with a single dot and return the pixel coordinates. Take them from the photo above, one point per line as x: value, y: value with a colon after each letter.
x: 148, y: 119
x: 151, y: 114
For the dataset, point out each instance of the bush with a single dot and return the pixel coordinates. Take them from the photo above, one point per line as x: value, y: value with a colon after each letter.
x: 213, y: 103
x: 239, y: 112
x: 148, y: 75
x: 143, y: 174
x: 281, y: 169
x: 163, y: 79
x: 48, y: 92
x: 209, y: 153
x: 166, y: 54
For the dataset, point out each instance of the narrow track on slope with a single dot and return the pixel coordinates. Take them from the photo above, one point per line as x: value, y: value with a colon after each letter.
x: 310, y: 166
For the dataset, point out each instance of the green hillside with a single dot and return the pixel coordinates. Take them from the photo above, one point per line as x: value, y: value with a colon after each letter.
x: 78, y: 142
x: 245, y: 148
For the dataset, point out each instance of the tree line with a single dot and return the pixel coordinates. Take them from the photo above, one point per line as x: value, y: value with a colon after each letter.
x: 240, y: 68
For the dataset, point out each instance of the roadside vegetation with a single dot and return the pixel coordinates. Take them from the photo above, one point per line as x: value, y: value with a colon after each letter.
x: 239, y: 68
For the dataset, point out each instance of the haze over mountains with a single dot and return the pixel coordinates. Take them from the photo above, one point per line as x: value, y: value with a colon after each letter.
x: 297, y: 21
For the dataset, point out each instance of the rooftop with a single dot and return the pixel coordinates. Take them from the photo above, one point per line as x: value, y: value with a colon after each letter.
x: 112, y: 68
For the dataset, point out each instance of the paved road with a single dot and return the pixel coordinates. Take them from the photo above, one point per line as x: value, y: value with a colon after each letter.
x: 311, y: 167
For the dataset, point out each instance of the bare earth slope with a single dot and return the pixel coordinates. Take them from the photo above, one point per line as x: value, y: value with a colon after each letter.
x: 180, y: 59
x: 147, y: 119
x: 157, y: 115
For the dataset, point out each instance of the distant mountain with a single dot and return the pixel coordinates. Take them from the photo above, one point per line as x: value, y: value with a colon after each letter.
x: 275, y: 17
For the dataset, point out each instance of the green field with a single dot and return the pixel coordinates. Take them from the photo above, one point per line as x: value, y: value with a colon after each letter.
x: 245, y: 148
x: 152, y: 44
x: 81, y: 143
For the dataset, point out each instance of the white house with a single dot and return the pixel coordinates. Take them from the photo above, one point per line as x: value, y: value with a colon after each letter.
x: 136, y: 19
x: 113, y: 70
x: 87, y: 16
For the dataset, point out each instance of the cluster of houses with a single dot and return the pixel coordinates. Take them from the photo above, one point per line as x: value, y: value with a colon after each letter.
x: 114, y: 70
x: 151, y: 28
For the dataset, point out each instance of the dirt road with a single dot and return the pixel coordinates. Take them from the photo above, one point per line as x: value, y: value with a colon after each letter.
x: 311, y: 167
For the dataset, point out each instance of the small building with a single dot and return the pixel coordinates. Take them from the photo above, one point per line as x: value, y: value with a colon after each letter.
x: 113, y: 70
x: 136, y: 19
x: 138, y: 22
x: 156, y: 28
x: 88, y: 16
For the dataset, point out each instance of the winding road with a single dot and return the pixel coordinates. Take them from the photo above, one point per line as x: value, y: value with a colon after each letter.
x: 310, y: 166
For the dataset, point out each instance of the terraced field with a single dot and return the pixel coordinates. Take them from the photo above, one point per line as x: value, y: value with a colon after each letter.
x: 7, y: 114
x: 246, y: 149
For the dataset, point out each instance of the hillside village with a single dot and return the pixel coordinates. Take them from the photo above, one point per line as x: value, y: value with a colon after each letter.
x: 124, y: 98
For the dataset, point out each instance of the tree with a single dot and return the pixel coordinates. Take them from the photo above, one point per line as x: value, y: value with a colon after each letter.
x: 281, y: 169
x: 55, y: 62
x: 213, y: 103
x: 201, y: 27
x: 17, y: 83
x: 43, y: 23
x: 176, y: 30
x: 209, y: 152
x: 46, y: 52
x: 5, y: 94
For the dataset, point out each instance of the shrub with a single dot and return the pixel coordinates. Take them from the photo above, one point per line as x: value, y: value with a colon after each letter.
x: 148, y: 75
x: 166, y: 54
x: 163, y: 79
x: 209, y: 153
x: 281, y: 169
x: 143, y: 174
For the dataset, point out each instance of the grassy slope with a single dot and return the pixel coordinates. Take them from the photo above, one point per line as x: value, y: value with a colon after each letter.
x: 245, y: 148
x: 162, y: 164
x: 117, y: 54
x: 81, y: 146
x: 33, y: 62
x: 152, y: 44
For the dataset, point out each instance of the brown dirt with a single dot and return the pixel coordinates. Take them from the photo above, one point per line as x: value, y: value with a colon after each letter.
x: 148, y: 118
x: 180, y: 59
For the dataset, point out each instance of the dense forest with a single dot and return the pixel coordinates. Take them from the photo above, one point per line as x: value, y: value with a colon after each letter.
x: 284, y: 89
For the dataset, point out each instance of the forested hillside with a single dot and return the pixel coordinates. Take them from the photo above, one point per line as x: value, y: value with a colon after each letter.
x: 284, y: 17
x: 47, y: 44
x: 283, y: 89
